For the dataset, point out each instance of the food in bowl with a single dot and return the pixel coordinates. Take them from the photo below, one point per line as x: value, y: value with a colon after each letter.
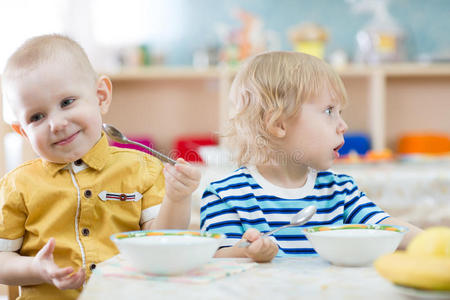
x: 354, y: 245
x: 168, y: 252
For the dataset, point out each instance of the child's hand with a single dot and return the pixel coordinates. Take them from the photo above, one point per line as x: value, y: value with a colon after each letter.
x: 261, y: 249
x: 182, y: 180
x: 62, y: 278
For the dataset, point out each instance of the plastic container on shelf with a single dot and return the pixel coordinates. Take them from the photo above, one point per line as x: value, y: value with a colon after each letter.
x: 355, y: 142
x: 424, y: 143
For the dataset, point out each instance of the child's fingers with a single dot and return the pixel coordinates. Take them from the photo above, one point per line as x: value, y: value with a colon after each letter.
x: 262, y: 250
x: 47, y: 250
x: 251, y: 235
x: 172, y: 180
x: 179, y: 179
x: 181, y: 160
x: 188, y: 170
x: 269, y: 246
x: 77, y: 279
x: 185, y: 172
x: 59, y: 273
x: 72, y: 281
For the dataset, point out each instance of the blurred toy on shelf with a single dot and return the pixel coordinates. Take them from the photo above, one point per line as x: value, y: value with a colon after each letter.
x: 380, y: 155
x: 355, y: 142
x: 338, y: 58
x: 432, y: 143
x: 205, y: 57
x: 370, y: 156
x: 413, y: 147
x: 381, y: 40
x: 247, y: 40
x: 187, y: 147
x: 356, y: 149
x: 309, y: 38
x: 140, y: 56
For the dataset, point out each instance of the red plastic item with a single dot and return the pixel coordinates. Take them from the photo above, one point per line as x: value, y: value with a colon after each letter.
x: 187, y: 147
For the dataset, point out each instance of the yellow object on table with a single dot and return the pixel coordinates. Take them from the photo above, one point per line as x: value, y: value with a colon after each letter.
x: 424, y: 265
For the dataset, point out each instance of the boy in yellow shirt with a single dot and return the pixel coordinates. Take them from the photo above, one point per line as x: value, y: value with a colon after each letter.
x: 57, y: 212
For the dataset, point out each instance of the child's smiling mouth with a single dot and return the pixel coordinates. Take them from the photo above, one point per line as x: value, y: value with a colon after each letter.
x: 67, y: 140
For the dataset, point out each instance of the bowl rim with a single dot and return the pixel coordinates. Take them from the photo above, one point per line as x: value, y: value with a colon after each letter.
x: 169, y: 232
x: 382, y: 227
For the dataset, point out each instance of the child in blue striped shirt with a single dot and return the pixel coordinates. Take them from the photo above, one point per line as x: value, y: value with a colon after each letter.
x: 285, y: 131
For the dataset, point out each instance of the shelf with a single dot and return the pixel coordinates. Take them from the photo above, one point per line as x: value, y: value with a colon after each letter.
x: 394, y: 70
x: 386, y: 101
x: 162, y: 73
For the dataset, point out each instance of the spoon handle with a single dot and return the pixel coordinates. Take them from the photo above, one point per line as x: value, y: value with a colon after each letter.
x: 244, y: 244
x: 276, y: 229
x: 159, y: 155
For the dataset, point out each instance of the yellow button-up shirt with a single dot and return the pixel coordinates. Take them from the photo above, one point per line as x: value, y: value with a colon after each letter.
x: 80, y: 204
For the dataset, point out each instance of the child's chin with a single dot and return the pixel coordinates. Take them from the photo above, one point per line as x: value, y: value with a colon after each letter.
x: 323, y: 167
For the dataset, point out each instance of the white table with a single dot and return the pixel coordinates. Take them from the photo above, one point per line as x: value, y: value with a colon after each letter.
x: 284, y: 278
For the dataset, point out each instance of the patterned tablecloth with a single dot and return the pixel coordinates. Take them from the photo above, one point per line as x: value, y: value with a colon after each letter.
x: 417, y: 192
x: 284, y: 278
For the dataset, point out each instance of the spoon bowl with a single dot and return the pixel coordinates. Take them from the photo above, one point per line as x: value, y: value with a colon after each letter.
x: 303, y: 216
x: 118, y: 136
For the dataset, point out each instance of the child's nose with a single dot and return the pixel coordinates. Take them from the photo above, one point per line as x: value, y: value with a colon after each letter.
x: 342, y: 127
x: 57, y: 123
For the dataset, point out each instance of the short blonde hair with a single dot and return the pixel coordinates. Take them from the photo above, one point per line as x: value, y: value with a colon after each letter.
x: 45, y: 48
x: 270, y: 86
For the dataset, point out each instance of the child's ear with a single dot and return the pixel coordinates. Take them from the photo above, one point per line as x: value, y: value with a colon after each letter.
x: 104, y: 93
x: 277, y: 128
x: 17, y: 128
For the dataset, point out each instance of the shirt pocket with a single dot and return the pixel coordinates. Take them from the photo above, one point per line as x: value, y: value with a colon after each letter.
x: 122, y: 197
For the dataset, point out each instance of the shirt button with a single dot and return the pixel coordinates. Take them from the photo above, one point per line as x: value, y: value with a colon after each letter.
x: 87, y: 193
x: 78, y: 162
x: 85, y: 231
x: 92, y: 267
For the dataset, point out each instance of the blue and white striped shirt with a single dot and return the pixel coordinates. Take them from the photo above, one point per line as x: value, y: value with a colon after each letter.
x: 246, y: 200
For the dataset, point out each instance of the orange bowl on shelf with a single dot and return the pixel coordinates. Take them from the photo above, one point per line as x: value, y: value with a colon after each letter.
x: 424, y: 143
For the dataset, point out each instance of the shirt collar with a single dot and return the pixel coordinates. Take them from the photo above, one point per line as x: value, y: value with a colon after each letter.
x: 96, y: 157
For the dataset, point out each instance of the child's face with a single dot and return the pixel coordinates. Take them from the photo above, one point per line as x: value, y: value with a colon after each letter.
x: 314, y: 136
x: 59, y: 110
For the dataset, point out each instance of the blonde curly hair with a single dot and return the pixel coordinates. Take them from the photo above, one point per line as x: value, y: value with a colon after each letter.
x: 270, y: 86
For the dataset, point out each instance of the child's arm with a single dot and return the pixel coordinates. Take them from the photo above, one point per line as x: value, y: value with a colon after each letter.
x: 260, y: 250
x: 413, y: 230
x: 24, y: 270
x: 181, y: 181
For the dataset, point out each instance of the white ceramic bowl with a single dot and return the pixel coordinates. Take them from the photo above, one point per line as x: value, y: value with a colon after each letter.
x: 167, y: 252
x: 354, y: 245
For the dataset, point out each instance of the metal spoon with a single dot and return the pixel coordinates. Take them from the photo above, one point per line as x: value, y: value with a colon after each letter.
x: 116, y: 135
x: 298, y: 219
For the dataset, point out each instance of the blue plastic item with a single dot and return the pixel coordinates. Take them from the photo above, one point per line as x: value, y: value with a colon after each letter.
x: 355, y: 142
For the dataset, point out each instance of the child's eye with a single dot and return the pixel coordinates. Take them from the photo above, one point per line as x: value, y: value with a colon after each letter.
x: 36, y: 117
x: 67, y: 102
x: 329, y: 110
